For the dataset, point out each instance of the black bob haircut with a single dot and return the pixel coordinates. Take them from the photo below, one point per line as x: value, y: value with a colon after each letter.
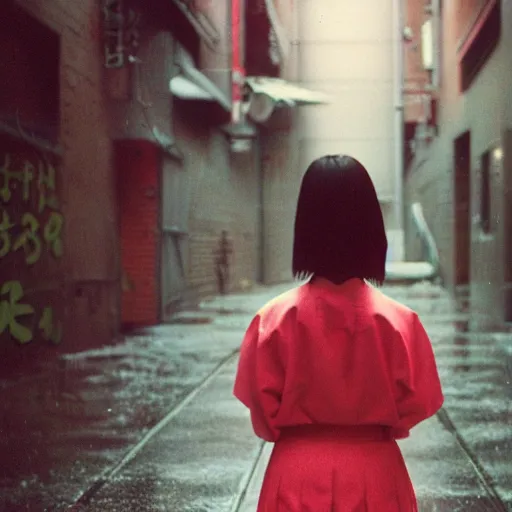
x: 339, y: 228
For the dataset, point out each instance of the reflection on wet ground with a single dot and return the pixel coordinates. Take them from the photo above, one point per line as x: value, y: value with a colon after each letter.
x: 73, y: 417
x: 66, y: 421
x: 476, y: 374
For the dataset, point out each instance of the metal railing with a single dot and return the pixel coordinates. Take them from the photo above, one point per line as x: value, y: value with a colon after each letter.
x: 431, y: 254
x: 427, y: 269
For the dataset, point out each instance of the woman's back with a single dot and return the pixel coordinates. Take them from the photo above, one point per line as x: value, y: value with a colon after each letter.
x: 340, y: 355
x: 334, y: 373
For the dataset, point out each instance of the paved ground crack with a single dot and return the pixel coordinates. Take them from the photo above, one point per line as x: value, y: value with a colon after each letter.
x: 112, y: 471
x: 482, y: 474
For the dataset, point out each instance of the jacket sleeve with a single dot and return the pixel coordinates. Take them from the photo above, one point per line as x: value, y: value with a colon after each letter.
x: 418, y: 388
x: 260, y: 379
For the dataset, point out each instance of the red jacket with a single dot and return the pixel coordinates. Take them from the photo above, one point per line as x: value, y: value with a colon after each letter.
x: 337, y: 354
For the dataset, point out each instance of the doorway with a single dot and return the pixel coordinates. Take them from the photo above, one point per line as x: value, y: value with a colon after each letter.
x: 174, y: 243
x: 506, y: 169
x: 462, y: 207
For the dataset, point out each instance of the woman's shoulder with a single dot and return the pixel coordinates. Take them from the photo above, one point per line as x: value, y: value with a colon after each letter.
x: 284, y: 300
x: 392, y: 309
x: 278, y: 307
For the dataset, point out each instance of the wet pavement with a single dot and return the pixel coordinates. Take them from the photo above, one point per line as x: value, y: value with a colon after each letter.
x: 150, y: 424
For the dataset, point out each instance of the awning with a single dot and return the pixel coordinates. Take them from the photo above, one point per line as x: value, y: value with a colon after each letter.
x: 191, y: 84
x: 187, y: 90
x: 386, y: 199
x: 269, y: 93
x: 278, y: 89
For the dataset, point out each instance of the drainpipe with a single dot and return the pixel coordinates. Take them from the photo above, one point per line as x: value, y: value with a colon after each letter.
x: 399, y: 111
x: 238, y: 14
x: 261, y: 206
x: 237, y: 67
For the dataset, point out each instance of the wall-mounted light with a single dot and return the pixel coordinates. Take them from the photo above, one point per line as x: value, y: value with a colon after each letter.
x: 427, y: 45
x: 497, y: 154
x: 408, y: 34
x: 240, y: 136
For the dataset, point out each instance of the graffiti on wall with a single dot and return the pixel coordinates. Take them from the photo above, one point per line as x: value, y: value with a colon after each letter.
x: 32, y: 234
x: 13, y: 310
x: 31, y: 229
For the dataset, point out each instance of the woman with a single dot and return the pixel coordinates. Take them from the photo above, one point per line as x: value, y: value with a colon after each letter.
x: 333, y: 371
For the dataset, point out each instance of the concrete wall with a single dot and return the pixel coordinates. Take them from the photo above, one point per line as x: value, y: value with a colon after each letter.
x: 215, y: 61
x: 280, y: 157
x: 281, y: 182
x: 486, y: 111
x: 346, y: 50
x: 140, y: 101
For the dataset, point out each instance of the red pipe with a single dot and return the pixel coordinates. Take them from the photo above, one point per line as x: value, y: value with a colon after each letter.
x: 235, y: 31
x: 237, y: 71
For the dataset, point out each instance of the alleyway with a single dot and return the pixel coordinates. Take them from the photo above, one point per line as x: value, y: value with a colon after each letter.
x: 151, y: 155
x: 150, y: 424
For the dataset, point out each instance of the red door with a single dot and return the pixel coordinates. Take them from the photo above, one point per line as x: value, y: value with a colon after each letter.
x: 138, y: 170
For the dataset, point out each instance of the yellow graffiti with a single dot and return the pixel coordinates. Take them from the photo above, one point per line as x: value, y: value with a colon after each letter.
x: 50, y: 331
x: 52, y: 233
x: 29, y: 239
x: 46, y: 183
x: 5, y: 239
x: 33, y: 232
x: 11, y: 310
x: 25, y: 176
x: 31, y: 181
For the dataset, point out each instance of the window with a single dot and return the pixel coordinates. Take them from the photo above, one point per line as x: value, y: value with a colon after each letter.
x: 485, y: 193
x: 29, y: 74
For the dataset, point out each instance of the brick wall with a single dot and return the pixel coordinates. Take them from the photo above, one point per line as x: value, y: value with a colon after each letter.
x: 225, y: 190
x: 141, y: 123
x: 138, y: 168
x: 281, y: 184
x: 90, y: 277
x: 223, y: 196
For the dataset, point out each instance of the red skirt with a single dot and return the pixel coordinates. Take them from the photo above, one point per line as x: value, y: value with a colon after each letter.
x: 336, y: 469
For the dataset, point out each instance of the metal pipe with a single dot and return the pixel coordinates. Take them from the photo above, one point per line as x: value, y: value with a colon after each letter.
x: 236, y: 62
x: 399, y: 111
x: 436, y: 15
x: 261, y: 207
